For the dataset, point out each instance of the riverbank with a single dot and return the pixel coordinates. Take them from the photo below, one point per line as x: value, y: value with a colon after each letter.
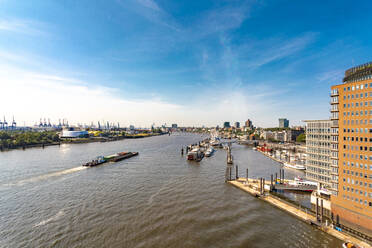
x: 252, y: 187
x: 78, y: 141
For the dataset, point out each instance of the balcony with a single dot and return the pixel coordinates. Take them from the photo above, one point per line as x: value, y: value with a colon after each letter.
x: 334, y: 93
x: 333, y: 102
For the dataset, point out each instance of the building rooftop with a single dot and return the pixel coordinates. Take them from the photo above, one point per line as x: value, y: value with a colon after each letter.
x: 359, y: 73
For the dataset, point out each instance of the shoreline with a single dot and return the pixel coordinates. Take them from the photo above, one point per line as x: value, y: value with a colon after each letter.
x: 300, y: 214
x: 77, y: 141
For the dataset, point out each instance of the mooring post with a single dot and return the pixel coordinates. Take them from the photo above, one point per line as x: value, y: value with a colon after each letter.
x: 230, y: 172
x: 316, y: 210
x: 321, y: 210
x: 271, y: 182
x: 247, y: 177
x: 236, y: 173
x: 276, y: 177
x: 263, y: 185
x: 283, y: 175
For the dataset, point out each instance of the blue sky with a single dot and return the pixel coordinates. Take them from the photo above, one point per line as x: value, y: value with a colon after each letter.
x: 189, y: 62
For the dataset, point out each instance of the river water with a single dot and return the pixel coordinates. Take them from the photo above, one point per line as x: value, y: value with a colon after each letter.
x: 157, y: 199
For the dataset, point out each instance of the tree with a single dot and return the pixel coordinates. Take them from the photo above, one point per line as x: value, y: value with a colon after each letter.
x: 301, y: 138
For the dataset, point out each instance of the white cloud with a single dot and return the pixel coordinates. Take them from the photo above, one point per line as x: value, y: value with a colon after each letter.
x: 29, y: 96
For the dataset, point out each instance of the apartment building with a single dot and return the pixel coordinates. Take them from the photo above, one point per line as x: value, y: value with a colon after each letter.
x: 318, y: 153
x: 351, y: 149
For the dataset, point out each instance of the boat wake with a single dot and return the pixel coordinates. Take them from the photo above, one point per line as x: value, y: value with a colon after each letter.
x: 53, y: 218
x: 44, y: 177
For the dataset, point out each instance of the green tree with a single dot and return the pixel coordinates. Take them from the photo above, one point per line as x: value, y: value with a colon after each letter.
x: 301, y: 138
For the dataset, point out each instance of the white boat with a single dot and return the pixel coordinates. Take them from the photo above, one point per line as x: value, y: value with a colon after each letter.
x: 295, y: 166
x: 302, y: 182
x: 209, y: 152
x: 195, y: 154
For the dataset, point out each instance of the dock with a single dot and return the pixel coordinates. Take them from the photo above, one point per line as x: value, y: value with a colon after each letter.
x: 259, y: 189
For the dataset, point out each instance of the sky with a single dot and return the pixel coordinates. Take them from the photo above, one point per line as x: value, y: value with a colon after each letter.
x: 194, y: 63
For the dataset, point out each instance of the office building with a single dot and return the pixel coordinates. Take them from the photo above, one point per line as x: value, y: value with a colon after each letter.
x: 283, y: 123
x: 351, y: 150
x: 318, y: 152
x: 226, y: 124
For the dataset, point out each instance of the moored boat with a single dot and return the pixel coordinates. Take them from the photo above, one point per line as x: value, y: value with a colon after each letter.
x: 209, y: 152
x: 195, y: 154
x: 295, y: 166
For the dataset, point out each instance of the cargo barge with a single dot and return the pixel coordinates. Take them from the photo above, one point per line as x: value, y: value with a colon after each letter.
x: 111, y: 158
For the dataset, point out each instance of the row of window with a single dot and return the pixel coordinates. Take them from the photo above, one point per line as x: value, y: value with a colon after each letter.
x: 359, y: 139
x: 310, y: 163
x: 357, y: 87
x: 361, y: 157
x: 357, y: 113
x: 357, y: 191
x: 357, y: 96
x: 356, y: 182
x: 357, y: 165
x: 360, y: 148
x: 357, y: 174
x: 357, y: 130
x: 360, y: 201
x: 354, y: 105
x: 356, y: 122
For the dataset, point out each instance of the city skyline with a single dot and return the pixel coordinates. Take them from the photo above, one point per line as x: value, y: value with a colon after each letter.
x: 145, y: 61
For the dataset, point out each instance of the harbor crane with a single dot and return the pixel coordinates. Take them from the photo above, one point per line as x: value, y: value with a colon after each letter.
x: 14, y: 124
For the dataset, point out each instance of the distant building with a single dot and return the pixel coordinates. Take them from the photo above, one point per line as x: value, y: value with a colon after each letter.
x: 266, y: 135
x: 226, y: 124
x: 318, y: 152
x: 283, y: 123
x: 71, y: 133
x: 248, y: 124
x: 174, y: 125
x: 237, y: 125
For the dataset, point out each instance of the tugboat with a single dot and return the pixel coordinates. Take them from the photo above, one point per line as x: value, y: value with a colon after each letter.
x: 99, y: 160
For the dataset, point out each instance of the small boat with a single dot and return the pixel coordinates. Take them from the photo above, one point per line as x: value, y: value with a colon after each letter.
x: 295, y: 166
x: 349, y: 245
x: 209, y: 152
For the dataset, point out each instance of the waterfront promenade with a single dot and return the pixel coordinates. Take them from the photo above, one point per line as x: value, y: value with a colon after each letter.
x: 252, y: 187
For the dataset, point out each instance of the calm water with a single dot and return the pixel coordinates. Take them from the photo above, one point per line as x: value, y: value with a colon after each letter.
x: 157, y: 199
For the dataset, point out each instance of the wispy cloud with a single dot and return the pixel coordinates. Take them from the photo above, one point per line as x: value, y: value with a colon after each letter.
x: 331, y: 76
x: 150, y: 4
x: 276, y: 49
x: 23, y: 26
x: 220, y: 20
